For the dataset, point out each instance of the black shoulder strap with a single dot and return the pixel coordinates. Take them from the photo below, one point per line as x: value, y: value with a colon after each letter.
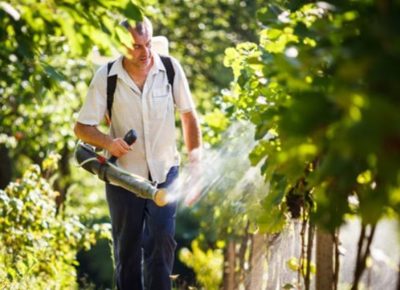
x: 170, y: 69
x: 111, y: 86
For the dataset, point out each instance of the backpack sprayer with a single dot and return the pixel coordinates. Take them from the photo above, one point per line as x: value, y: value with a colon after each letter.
x: 107, y: 171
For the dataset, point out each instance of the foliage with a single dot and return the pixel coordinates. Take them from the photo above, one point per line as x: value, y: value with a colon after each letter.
x: 321, y: 87
x: 198, y: 33
x: 39, y: 246
x: 206, y: 264
x: 295, y: 265
x: 43, y: 69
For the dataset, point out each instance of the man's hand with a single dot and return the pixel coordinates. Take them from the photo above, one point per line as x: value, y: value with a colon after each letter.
x: 196, y: 183
x: 90, y: 134
x: 118, y: 147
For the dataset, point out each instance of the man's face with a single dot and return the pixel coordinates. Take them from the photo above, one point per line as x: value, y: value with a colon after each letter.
x: 140, y: 52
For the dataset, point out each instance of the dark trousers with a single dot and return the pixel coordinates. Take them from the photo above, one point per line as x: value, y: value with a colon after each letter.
x: 140, y: 225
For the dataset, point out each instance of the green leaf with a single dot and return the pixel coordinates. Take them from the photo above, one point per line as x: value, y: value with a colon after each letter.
x: 133, y: 12
x: 52, y: 72
x: 288, y: 286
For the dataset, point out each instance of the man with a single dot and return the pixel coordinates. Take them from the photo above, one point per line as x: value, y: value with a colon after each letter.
x: 144, y: 101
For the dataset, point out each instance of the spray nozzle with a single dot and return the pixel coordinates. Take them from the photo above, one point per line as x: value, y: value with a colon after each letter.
x: 160, y: 197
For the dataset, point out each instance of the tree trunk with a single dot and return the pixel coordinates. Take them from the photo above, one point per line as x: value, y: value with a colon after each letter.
x: 398, y: 279
x: 229, y: 266
x: 325, y: 261
x: 5, y: 167
x: 257, y: 261
x: 241, y: 272
x: 273, y: 278
x: 62, y: 183
x: 308, y: 256
x: 363, y: 250
x: 337, y: 260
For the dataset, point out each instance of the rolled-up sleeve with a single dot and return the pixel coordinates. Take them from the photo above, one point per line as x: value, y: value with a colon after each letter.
x: 181, y: 91
x: 95, y: 104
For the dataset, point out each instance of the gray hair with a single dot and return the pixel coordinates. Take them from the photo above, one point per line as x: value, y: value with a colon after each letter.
x: 140, y: 27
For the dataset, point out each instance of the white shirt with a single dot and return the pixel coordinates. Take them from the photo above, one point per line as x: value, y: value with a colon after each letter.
x: 150, y: 113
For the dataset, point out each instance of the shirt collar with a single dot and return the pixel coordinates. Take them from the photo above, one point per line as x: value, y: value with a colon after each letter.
x: 118, y: 69
x: 158, y: 64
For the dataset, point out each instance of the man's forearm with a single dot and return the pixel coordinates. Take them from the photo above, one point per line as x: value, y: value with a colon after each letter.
x: 192, y: 138
x: 191, y: 131
x: 92, y: 135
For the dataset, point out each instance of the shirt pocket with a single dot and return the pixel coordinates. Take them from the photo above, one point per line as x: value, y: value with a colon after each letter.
x: 161, y: 102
